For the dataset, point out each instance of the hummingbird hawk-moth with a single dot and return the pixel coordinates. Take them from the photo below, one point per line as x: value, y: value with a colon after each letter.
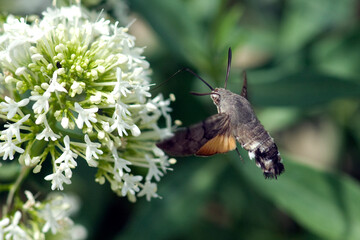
x: 235, y: 121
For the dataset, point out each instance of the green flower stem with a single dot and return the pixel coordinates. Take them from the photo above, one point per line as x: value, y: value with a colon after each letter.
x: 39, y: 147
x: 24, y: 172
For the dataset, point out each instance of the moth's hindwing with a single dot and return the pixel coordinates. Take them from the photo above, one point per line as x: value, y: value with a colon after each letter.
x: 206, y: 138
x: 221, y: 143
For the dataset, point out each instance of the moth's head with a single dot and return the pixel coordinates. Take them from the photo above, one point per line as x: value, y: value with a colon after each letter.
x: 219, y: 94
x: 215, y: 96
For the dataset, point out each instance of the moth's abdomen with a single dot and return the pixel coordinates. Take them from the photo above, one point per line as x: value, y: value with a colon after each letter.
x: 262, y: 147
x: 269, y: 160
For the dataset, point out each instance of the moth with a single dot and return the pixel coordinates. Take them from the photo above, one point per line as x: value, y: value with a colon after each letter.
x: 235, y: 121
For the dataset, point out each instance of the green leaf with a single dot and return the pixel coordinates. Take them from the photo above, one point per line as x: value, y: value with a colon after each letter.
x: 227, y: 32
x: 300, y: 89
x: 325, y: 203
x: 339, y: 54
x: 305, y: 19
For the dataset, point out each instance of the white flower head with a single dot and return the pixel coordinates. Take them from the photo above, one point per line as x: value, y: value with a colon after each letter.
x: 82, y: 73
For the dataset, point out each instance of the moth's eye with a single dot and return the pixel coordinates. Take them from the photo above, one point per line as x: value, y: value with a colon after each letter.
x: 215, y: 98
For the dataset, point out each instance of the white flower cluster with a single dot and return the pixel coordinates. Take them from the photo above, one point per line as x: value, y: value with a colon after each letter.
x: 79, y: 89
x: 48, y: 218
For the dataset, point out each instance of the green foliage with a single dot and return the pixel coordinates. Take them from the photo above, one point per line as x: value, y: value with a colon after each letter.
x: 311, y: 62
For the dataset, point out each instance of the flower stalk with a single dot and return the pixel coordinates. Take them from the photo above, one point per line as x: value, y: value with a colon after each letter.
x: 15, y: 187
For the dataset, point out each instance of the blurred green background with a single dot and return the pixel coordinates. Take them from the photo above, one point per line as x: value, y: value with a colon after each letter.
x: 303, y: 63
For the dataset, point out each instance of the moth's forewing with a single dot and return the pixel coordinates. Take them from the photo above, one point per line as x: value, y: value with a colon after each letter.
x: 197, y: 139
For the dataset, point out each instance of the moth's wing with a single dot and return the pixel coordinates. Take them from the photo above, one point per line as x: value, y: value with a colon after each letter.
x: 206, y: 138
x: 218, y: 144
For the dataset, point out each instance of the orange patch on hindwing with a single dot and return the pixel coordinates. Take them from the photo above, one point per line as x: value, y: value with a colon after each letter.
x: 218, y: 144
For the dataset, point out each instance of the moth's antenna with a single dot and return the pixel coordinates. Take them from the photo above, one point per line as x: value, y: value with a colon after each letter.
x: 176, y: 73
x: 179, y: 71
x: 190, y: 71
x: 244, y: 88
x: 203, y: 94
x: 228, y: 67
